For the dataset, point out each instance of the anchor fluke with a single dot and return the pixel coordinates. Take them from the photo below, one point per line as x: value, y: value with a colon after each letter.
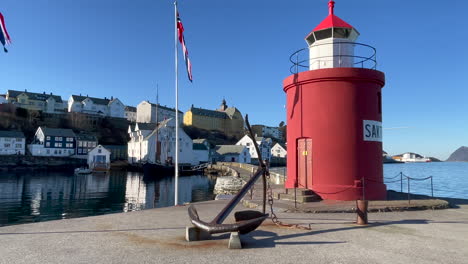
x: 250, y: 221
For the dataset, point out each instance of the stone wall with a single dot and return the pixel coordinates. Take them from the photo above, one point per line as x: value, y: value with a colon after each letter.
x: 21, y: 162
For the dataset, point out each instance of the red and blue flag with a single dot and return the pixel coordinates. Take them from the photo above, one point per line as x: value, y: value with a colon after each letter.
x: 180, y: 33
x: 4, y: 37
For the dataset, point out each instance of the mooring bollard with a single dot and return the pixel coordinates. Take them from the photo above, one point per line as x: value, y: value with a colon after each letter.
x: 361, y: 210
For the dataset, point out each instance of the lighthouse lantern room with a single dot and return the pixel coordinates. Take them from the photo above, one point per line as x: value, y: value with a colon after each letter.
x: 331, y: 43
x: 334, y: 115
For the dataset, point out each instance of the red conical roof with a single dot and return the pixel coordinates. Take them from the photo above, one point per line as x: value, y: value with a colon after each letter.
x: 332, y: 20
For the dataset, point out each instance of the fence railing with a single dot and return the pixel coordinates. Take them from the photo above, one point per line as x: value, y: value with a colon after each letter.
x: 363, y: 56
x: 400, y: 177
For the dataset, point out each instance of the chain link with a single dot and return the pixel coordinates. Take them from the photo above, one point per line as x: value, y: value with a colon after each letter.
x: 270, y: 200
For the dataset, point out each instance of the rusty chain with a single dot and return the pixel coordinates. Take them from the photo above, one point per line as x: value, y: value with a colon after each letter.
x: 274, y: 218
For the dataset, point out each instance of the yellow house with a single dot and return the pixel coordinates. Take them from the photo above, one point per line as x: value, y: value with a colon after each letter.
x: 226, y: 119
x: 36, y: 101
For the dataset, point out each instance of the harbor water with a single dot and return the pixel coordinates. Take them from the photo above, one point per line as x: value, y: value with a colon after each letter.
x: 27, y: 197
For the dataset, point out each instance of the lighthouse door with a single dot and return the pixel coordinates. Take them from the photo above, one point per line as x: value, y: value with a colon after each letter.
x: 304, y: 162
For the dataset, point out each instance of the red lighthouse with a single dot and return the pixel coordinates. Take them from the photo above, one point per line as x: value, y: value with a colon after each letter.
x: 334, y: 115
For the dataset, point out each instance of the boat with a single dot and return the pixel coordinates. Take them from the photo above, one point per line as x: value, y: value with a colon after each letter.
x: 82, y: 171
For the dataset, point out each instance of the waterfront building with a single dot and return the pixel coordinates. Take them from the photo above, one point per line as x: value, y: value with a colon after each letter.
x: 266, y: 131
x: 85, y: 143
x: 131, y: 113
x: 55, y: 142
x: 99, y: 159
x: 118, y: 152
x: 154, y: 113
x: 264, y: 145
x: 232, y: 153
x: 156, y: 144
x: 201, y: 150
x: 48, y: 103
x: 12, y: 143
x: 225, y: 119
x: 3, y: 99
x: 112, y: 107
x: 279, y: 151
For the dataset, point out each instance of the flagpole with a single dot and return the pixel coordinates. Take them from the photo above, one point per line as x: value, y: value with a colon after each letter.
x: 176, y: 192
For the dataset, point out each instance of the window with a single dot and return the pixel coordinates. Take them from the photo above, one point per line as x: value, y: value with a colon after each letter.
x: 55, y: 152
x: 47, y: 144
x: 69, y: 145
x: 7, y: 139
x: 80, y: 151
x: 48, y: 137
x: 60, y: 152
x: 85, y: 144
x: 70, y: 152
x: 7, y: 145
x: 19, y: 140
x: 18, y: 146
x: 48, y: 151
x: 58, y: 145
x: 69, y: 139
x: 99, y: 151
x: 58, y: 138
x: 80, y: 143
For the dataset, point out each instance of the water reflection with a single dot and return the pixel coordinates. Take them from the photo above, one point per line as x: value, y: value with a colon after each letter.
x: 32, y: 197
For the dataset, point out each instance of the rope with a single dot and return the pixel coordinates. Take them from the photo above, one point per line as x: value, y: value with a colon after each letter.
x: 393, y: 176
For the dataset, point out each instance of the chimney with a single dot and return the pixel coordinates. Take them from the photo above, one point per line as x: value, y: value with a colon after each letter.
x: 43, y: 92
x: 112, y: 97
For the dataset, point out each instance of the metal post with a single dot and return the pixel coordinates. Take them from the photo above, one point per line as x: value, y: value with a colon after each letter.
x: 401, y: 181
x: 176, y: 191
x: 295, y: 197
x: 432, y: 188
x: 409, y: 198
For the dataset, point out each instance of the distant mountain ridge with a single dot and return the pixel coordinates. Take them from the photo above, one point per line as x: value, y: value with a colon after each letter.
x: 461, y: 154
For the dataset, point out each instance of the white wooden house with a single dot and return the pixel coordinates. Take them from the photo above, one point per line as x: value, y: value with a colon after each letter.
x: 112, y: 107
x: 279, y: 151
x: 264, y: 145
x: 232, y: 153
x: 154, y: 113
x: 156, y: 144
x: 99, y: 159
x: 12, y: 143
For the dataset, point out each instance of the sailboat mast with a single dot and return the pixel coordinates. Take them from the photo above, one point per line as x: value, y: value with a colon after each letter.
x: 157, y: 124
x: 176, y: 191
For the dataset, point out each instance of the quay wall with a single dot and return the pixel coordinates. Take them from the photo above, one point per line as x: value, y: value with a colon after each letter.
x: 275, y: 178
x: 22, y: 162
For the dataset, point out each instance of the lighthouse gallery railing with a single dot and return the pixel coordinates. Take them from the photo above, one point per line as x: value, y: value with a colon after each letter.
x: 365, y: 56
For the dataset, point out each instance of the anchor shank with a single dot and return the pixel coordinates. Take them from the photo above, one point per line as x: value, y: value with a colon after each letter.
x: 219, y: 219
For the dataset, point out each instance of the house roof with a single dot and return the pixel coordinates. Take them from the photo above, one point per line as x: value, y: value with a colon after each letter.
x: 199, y: 146
x: 34, y: 96
x: 130, y: 108
x: 199, y: 141
x: 146, y: 126
x: 281, y: 145
x: 210, y: 113
x: 85, y: 136
x: 99, y: 101
x: 57, y: 132
x: 11, y: 134
x: 163, y: 107
x: 229, y: 149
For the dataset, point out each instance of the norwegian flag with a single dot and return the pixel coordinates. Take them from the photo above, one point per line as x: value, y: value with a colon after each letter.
x: 180, y: 33
x: 4, y: 37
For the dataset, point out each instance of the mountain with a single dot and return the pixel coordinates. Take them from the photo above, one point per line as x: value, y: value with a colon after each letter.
x: 460, y: 154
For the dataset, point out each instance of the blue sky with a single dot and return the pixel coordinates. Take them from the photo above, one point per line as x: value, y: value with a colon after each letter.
x: 240, y: 51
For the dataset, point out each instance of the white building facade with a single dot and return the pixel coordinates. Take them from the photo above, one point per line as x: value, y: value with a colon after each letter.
x: 264, y: 145
x: 112, y: 107
x: 99, y: 158
x: 154, y: 113
x: 156, y: 144
x: 278, y: 151
x: 3, y: 99
x: 12, y: 143
x: 48, y: 103
x: 131, y: 113
x: 233, y: 153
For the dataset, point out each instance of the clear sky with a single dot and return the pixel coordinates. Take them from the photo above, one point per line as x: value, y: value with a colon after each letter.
x: 240, y: 51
